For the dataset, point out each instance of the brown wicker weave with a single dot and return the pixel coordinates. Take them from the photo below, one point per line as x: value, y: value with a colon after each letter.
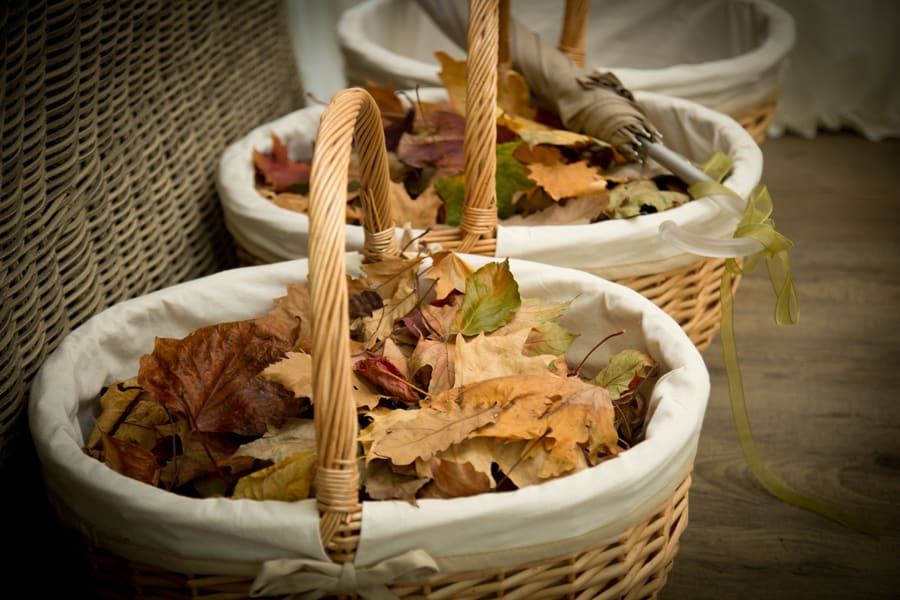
x: 114, y: 115
x: 634, y: 565
x: 631, y: 564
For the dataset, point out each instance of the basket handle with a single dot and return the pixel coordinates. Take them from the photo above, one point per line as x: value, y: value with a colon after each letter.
x: 351, y: 116
x: 478, y: 227
x: 487, y: 50
x: 574, y: 30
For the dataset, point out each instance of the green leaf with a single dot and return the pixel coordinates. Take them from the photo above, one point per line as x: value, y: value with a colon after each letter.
x: 548, y: 338
x: 491, y: 299
x: 452, y: 191
x: 625, y: 371
x: 511, y: 178
x: 641, y: 197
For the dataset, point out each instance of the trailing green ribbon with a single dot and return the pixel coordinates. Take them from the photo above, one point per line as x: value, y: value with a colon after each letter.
x: 757, y: 223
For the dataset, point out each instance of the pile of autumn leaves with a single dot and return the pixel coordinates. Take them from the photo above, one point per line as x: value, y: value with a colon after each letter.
x: 461, y: 387
x: 545, y: 175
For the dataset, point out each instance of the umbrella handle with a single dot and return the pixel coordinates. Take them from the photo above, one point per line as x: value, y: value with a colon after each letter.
x: 703, y: 245
x: 679, y: 237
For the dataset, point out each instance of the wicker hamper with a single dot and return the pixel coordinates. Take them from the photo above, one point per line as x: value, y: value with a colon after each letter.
x: 629, y: 251
x: 112, y: 116
x: 730, y: 56
x: 607, y: 532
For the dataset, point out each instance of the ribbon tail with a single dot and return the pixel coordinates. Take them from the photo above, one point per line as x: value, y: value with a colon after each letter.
x: 752, y: 455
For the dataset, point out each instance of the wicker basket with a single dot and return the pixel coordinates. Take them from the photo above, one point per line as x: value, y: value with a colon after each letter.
x: 111, y: 126
x: 684, y: 285
x: 729, y: 56
x: 618, y: 540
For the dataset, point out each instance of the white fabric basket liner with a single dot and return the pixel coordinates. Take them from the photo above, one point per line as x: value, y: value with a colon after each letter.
x: 223, y: 536
x: 614, y: 248
x: 729, y: 55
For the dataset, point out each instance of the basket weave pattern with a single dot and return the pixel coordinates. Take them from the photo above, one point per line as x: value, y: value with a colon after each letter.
x: 113, y: 117
x: 632, y: 565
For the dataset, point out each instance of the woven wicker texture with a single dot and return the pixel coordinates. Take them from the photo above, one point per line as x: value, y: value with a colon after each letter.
x: 632, y: 565
x: 114, y: 115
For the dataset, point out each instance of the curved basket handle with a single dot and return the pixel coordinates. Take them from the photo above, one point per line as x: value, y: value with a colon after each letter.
x: 478, y: 227
x: 352, y: 115
x: 488, y: 50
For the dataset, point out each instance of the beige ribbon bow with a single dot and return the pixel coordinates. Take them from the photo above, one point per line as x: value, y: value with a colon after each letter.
x: 308, y: 579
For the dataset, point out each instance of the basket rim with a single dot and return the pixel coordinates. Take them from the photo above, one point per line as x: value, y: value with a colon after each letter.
x: 271, y: 232
x: 704, y: 81
x: 65, y: 385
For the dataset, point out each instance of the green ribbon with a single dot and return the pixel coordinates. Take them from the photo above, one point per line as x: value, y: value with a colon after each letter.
x: 757, y: 223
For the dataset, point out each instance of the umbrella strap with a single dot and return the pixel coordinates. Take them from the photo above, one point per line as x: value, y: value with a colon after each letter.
x: 757, y: 223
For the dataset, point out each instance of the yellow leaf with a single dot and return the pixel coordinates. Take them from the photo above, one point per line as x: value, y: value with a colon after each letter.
x: 293, y: 372
x: 485, y: 357
x: 566, y: 180
x: 429, y: 432
x: 513, y: 94
x: 294, y: 307
x: 419, y: 213
x: 288, y: 480
x: 449, y: 272
x: 453, y: 76
x: 534, y: 133
x: 113, y: 404
x: 378, y: 327
x: 389, y: 275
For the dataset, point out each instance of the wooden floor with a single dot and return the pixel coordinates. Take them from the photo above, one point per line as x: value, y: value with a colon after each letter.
x: 823, y: 395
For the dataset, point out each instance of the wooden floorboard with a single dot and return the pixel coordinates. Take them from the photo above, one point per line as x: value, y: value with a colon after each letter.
x: 823, y: 395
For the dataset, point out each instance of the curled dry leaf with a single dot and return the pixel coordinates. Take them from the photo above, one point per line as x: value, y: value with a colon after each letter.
x: 460, y: 384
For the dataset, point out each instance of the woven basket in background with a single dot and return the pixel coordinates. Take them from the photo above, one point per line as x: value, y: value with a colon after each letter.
x: 113, y: 117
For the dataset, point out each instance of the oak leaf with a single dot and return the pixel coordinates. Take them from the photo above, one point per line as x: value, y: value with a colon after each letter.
x: 565, y: 180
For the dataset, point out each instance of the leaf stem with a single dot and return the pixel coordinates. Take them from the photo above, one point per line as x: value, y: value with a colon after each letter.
x: 597, y: 345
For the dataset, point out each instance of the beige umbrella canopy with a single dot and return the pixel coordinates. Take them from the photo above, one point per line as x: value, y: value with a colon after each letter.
x: 595, y: 103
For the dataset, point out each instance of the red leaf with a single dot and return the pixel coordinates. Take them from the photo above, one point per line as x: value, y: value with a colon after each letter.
x: 441, y: 147
x: 211, y: 376
x: 388, y: 377
x: 278, y: 169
